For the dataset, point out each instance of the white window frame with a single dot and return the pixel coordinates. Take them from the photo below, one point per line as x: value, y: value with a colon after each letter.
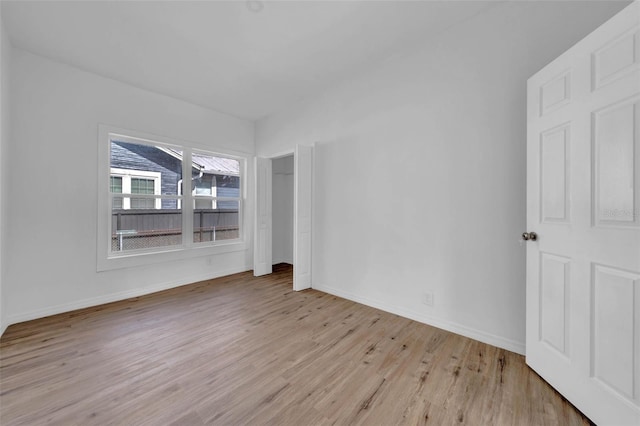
x: 108, y: 259
x: 127, y: 174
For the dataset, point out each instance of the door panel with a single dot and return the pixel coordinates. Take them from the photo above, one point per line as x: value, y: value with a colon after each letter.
x: 613, y: 329
x: 554, y: 301
x: 616, y: 145
x: 554, y: 174
x: 303, y: 173
x: 583, y: 201
x: 555, y: 93
x: 616, y: 58
x: 262, y: 252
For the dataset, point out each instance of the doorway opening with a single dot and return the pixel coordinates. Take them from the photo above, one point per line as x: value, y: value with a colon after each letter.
x: 283, y: 210
x: 293, y: 236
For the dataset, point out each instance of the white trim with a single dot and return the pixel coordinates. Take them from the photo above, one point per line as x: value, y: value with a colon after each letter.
x: 169, y: 254
x: 122, y: 295
x: 472, y: 333
x: 136, y: 173
x: 136, y: 136
x: 281, y: 154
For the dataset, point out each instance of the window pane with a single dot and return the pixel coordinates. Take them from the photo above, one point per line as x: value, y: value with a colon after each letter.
x: 116, y: 184
x: 117, y: 203
x: 142, y: 186
x: 215, y: 224
x: 141, y: 162
x: 116, y: 188
x: 142, y: 203
x: 205, y: 185
x: 215, y: 176
x: 204, y: 203
x: 135, y: 229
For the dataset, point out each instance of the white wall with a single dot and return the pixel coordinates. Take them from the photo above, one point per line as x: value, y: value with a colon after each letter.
x: 50, y: 250
x: 420, y: 170
x: 5, y: 60
x: 282, y: 210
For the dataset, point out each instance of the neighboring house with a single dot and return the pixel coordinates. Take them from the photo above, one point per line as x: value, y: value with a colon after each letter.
x: 143, y: 169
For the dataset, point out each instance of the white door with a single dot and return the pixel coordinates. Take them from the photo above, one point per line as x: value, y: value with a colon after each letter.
x: 302, y: 175
x: 583, y: 202
x: 262, y: 251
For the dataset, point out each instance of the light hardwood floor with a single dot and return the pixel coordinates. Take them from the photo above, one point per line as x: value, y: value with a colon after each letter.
x: 244, y: 350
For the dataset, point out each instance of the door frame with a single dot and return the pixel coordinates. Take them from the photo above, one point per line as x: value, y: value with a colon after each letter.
x: 268, y: 187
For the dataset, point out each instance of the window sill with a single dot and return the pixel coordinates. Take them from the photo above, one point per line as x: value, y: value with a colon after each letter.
x: 131, y: 260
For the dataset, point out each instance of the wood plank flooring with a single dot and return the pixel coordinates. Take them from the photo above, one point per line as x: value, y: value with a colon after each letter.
x: 242, y: 350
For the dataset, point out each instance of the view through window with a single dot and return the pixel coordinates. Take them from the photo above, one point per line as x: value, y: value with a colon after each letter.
x: 147, y: 196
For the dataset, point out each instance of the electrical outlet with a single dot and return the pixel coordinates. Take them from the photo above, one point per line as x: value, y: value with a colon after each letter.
x: 427, y: 298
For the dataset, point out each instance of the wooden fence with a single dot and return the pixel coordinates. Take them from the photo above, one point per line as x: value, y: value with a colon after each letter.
x: 138, y: 229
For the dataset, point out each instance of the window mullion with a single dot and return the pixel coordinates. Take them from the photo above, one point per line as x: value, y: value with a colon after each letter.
x: 187, y: 200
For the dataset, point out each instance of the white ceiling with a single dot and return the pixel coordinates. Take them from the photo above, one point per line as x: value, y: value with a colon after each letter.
x: 223, y: 55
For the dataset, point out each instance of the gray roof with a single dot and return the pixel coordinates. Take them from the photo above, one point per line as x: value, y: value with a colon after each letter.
x: 209, y: 164
x: 216, y: 165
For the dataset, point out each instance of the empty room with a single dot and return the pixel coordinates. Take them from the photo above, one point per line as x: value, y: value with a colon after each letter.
x: 320, y: 212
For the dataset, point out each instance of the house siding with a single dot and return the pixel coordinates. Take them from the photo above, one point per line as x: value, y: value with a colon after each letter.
x: 148, y: 158
x: 228, y: 186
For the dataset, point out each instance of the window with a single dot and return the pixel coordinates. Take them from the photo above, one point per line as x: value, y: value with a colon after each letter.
x: 150, y: 219
x: 142, y: 186
x: 124, y: 181
x: 116, y: 188
x: 216, y: 198
x: 146, y: 211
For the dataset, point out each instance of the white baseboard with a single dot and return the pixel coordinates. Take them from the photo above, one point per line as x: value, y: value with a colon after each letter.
x: 115, y: 297
x: 482, y: 336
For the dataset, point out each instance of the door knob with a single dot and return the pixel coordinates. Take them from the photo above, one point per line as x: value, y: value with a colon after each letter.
x: 529, y: 236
